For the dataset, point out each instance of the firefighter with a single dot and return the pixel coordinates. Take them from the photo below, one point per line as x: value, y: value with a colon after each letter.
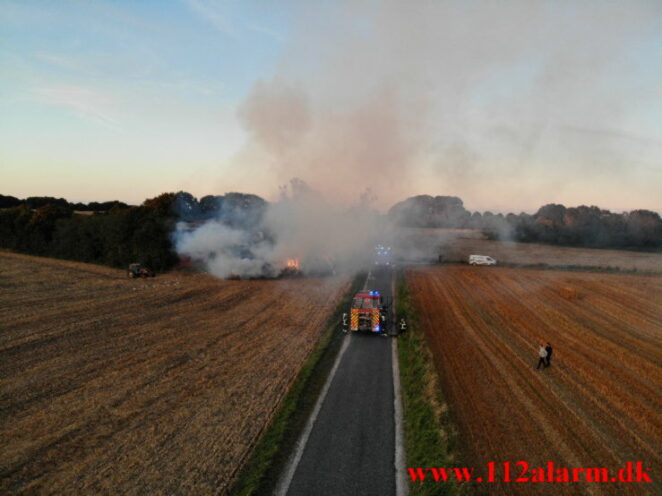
x: 403, y: 326
x: 382, y: 318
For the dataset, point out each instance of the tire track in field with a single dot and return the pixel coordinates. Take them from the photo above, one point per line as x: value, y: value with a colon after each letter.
x: 508, y: 387
x: 616, y: 448
x: 490, y: 320
x: 606, y: 370
x: 623, y: 419
x: 115, y: 385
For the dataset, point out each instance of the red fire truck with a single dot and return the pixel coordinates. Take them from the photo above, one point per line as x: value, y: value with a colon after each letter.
x: 367, y: 313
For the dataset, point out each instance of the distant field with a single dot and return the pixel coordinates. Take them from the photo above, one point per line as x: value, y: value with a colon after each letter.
x: 459, y: 249
x: 159, y: 386
x: 599, y: 403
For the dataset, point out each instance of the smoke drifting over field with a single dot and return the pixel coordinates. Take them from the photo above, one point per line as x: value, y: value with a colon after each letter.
x: 504, y: 104
x: 301, y: 231
x: 529, y: 100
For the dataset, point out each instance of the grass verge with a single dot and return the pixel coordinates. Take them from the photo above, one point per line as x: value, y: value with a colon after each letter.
x: 260, y: 474
x: 430, y: 436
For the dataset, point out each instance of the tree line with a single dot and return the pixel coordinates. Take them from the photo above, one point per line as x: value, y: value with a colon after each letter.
x: 586, y: 226
x: 41, y: 201
x: 114, y: 233
x: 117, y: 234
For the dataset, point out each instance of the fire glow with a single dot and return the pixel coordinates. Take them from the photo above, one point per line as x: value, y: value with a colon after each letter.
x: 293, y: 264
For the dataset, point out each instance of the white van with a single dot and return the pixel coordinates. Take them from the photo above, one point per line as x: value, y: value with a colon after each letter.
x: 481, y: 260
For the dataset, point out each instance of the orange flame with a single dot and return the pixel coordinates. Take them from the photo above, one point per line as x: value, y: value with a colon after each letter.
x: 293, y: 263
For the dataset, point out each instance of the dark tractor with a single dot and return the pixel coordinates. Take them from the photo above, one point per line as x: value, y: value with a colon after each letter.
x: 139, y: 270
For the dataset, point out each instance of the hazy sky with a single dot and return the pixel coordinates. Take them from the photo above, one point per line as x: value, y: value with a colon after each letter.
x: 508, y: 104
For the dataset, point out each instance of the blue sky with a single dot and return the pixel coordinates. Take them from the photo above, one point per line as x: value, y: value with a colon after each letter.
x: 95, y: 93
x: 541, y: 101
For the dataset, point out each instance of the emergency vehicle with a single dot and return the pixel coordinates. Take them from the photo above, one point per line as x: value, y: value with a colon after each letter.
x: 366, y: 313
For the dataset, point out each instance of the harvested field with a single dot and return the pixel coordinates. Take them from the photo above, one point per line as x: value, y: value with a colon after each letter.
x: 598, y: 405
x: 110, y: 385
x: 459, y: 249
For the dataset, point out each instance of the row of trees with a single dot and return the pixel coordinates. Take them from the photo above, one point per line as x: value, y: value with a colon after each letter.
x: 237, y: 209
x: 117, y: 237
x: 121, y: 234
x: 115, y: 234
x: 553, y: 223
x: 41, y: 201
x: 589, y: 226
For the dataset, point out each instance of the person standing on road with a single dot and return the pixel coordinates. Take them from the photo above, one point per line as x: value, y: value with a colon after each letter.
x: 549, y: 351
x: 542, y: 357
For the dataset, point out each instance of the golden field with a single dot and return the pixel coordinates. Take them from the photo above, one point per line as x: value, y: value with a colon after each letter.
x: 597, y: 405
x: 110, y: 385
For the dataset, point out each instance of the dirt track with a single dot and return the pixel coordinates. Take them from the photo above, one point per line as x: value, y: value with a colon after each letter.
x: 598, y: 405
x: 159, y: 386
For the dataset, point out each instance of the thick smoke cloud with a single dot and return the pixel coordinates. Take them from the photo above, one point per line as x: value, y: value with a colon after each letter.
x: 223, y: 249
x: 507, y: 105
x: 322, y: 238
x: 536, y: 100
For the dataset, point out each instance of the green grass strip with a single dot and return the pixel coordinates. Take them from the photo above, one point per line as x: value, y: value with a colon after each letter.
x: 260, y: 474
x: 430, y: 436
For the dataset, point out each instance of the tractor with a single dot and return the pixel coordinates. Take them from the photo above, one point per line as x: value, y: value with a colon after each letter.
x: 139, y: 270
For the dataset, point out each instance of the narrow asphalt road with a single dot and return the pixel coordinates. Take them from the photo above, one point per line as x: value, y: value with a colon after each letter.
x: 351, y: 447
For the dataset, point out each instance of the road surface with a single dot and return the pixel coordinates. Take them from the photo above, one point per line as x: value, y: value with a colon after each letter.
x: 351, y: 447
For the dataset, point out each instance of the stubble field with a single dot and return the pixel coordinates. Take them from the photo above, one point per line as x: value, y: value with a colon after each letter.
x: 110, y: 385
x: 513, y: 253
x: 598, y: 405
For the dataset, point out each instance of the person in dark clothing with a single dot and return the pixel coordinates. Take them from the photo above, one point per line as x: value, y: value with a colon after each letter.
x: 549, y: 351
x: 542, y: 357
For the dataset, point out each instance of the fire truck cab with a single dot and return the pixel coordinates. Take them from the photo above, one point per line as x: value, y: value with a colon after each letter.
x: 366, y: 313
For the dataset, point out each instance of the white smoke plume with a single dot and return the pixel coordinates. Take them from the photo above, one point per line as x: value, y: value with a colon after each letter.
x: 219, y: 247
x: 508, y: 105
x: 322, y: 238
